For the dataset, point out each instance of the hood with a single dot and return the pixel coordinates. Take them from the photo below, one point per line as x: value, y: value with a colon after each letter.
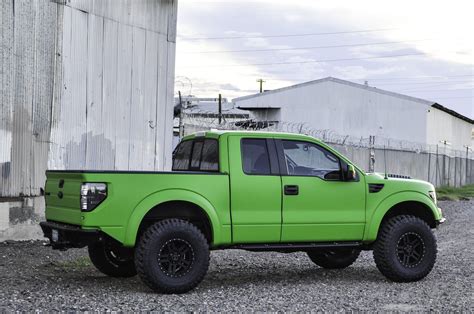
x: 402, y: 182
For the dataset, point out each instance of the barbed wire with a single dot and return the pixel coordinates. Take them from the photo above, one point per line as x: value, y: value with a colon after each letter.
x: 202, y: 120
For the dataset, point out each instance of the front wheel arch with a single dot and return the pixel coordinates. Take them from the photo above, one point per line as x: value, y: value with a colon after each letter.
x: 403, y: 203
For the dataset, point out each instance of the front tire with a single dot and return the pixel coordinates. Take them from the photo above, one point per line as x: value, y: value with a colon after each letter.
x: 335, y: 258
x: 172, y: 256
x: 112, y: 260
x: 405, y: 249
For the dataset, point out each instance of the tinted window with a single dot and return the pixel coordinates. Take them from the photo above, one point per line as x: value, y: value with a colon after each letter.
x: 308, y: 159
x: 181, y: 156
x: 196, y: 155
x: 255, y: 159
x: 210, y: 156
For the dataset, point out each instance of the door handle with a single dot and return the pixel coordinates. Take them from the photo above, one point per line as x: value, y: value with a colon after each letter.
x: 291, y: 190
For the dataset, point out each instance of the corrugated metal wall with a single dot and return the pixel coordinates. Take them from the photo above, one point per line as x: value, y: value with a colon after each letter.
x: 27, y: 45
x: 90, y: 81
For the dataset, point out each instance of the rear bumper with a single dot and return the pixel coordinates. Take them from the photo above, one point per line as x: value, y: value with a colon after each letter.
x: 69, y: 236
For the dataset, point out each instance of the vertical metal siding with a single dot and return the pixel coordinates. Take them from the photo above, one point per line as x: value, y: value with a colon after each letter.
x: 84, y: 84
x: 28, y: 29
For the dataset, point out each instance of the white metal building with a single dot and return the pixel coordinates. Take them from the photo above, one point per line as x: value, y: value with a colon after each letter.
x: 84, y: 84
x: 348, y: 108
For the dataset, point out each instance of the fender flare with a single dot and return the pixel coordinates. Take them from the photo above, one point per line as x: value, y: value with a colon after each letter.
x: 373, y: 222
x: 163, y: 196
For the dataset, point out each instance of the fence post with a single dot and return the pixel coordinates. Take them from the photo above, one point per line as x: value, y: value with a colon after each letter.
x: 429, y: 165
x: 371, y: 153
x: 437, y: 166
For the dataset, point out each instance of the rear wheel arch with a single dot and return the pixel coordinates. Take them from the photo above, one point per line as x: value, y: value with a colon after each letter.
x: 184, y: 210
x: 166, y: 200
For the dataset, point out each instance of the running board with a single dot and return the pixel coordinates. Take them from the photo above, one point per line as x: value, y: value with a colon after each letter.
x: 293, y: 246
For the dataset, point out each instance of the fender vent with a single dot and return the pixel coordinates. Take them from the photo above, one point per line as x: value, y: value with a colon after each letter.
x: 375, y: 187
x: 399, y: 176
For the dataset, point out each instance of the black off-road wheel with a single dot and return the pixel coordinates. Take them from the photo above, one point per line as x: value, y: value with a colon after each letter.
x: 334, y: 258
x: 172, y: 256
x: 114, y: 261
x: 405, y: 249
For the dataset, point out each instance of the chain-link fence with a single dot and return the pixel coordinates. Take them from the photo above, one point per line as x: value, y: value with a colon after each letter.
x: 439, y: 164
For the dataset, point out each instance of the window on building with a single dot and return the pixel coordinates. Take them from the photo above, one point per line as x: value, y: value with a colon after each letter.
x: 255, y: 158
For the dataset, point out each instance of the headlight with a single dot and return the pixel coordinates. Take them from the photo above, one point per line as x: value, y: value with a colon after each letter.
x: 92, y: 194
x: 433, y: 196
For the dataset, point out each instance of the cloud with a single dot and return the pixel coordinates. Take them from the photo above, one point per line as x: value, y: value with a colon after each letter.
x: 448, y: 52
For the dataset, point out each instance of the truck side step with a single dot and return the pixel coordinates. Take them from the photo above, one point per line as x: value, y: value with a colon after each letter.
x: 294, y: 246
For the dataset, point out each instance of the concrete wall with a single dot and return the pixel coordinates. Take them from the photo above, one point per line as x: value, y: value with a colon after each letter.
x: 346, y: 109
x: 439, y: 169
x: 85, y: 84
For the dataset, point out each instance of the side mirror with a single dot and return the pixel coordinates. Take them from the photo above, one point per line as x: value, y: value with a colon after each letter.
x: 351, y: 173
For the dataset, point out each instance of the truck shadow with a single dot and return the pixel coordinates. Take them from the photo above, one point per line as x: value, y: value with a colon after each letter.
x: 290, y: 276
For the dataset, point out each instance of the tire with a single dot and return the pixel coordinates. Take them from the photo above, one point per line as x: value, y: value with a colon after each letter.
x: 111, y: 260
x: 405, y: 249
x: 172, y: 256
x: 334, y: 259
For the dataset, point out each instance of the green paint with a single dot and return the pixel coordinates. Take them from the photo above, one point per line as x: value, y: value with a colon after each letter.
x: 241, y: 208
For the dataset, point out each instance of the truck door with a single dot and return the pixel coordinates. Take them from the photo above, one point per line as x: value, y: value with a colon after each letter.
x: 318, y: 205
x: 255, y: 186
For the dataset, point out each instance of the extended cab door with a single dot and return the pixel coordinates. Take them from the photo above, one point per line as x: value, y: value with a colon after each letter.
x: 318, y: 205
x: 255, y: 186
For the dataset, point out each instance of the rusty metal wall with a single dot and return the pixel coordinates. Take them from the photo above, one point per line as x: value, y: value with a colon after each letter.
x: 85, y: 84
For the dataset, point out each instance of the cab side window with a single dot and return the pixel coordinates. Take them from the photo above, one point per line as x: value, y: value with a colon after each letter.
x: 196, y: 155
x: 309, y: 159
x: 255, y: 157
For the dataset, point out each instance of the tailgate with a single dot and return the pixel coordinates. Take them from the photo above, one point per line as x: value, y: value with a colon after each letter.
x: 62, y: 195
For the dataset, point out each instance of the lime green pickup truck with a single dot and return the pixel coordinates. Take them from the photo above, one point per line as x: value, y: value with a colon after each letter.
x: 255, y: 191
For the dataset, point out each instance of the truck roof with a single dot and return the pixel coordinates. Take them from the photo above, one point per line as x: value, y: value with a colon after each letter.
x: 213, y: 133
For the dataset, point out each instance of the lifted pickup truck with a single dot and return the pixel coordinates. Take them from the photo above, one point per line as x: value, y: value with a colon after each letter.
x: 242, y: 190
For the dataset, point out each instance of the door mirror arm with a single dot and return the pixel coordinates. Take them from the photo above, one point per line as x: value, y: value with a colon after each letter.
x: 350, y: 174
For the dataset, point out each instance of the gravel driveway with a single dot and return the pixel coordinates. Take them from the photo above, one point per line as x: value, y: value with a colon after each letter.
x: 36, y: 277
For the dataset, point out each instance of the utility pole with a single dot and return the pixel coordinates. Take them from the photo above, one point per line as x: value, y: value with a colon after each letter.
x: 261, y: 81
x: 220, y: 109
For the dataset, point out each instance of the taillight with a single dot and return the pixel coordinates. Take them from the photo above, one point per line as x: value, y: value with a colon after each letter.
x: 92, y: 194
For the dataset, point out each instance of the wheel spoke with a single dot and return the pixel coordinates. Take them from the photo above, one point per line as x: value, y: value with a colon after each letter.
x: 406, y: 259
x: 175, y: 257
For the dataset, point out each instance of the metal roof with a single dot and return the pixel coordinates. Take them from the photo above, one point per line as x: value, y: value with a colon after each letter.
x: 361, y: 86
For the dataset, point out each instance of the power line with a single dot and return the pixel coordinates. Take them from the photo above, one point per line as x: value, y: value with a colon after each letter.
x: 458, y: 97
x: 427, y: 82
x: 286, y: 35
x: 437, y: 90
x: 383, y: 79
x: 303, y: 62
x: 308, y: 48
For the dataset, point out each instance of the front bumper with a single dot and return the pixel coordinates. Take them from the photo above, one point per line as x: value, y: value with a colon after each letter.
x: 441, y: 221
x: 64, y: 236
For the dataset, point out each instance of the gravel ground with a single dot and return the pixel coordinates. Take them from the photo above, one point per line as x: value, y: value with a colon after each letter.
x: 34, y: 277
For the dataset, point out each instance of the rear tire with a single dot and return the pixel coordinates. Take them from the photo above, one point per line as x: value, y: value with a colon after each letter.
x: 405, y: 249
x: 172, y: 256
x: 112, y: 260
x: 334, y: 259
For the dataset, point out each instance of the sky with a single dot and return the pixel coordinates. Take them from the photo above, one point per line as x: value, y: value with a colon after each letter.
x: 421, y: 48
